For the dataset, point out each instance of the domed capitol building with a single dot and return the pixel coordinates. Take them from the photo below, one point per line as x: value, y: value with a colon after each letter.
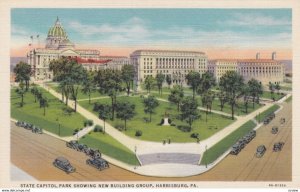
x: 57, y: 45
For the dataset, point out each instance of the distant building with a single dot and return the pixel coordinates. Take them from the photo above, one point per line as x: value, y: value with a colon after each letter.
x: 58, y: 45
x: 263, y: 70
x: 177, y: 64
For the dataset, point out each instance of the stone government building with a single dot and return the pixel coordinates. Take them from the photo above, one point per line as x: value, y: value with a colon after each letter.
x: 177, y: 64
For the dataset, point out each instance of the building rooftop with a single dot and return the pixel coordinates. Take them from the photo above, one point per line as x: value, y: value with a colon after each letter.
x: 167, y: 51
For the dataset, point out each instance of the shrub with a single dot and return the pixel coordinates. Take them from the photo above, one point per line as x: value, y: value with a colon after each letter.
x: 67, y: 110
x: 184, y: 128
x: 162, y: 122
x: 76, y: 130
x: 88, y: 122
x: 195, y: 135
x: 138, y: 133
x: 98, y: 128
x: 96, y: 107
x: 169, y: 121
x: 173, y: 124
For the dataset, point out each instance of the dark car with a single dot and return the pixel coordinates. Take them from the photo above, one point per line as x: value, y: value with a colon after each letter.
x: 93, y: 153
x: 274, y: 130
x: 37, y: 130
x: 266, y: 121
x: 278, y: 146
x: 19, y: 123
x: 236, y: 148
x: 63, y: 164
x: 242, y: 143
x: 260, y: 151
x: 72, y: 144
x: 98, y: 163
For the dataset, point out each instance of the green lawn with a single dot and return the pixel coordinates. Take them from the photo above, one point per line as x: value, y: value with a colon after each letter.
x: 268, y: 95
x: 152, y: 131
x: 81, y: 95
x: 32, y: 113
x: 264, y: 114
x: 109, y: 146
x: 218, y: 149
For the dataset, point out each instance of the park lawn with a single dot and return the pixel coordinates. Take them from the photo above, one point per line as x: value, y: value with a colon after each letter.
x: 238, y: 110
x: 110, y: 147
x: 268, y: 95
x: 267, y: 112
x: 152, y: 131
x: 219, y: 148
x: 32, y: 113
x: 81, y: 95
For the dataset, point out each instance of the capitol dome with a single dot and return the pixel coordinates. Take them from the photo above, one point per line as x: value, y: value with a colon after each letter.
x: 57, y: 30
x: 66, y: 44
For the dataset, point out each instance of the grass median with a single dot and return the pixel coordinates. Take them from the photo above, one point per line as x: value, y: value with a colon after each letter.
x: 221, y: 147
x: 267, y: 112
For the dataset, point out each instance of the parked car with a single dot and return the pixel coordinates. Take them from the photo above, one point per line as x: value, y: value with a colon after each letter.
x: 236, y: 148
x: 98, y: 163
x: 260, y: 151
x: 266, y: 121
x: 72, y: 144
x: 278, y: 146
x: 64, y: 164
x: 274, y: 130
x: 37, y: 130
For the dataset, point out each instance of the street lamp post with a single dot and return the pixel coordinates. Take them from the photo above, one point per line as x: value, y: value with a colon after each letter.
x: 205, y: 156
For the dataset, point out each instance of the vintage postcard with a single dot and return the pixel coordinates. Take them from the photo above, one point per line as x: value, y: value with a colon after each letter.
x: 149, y: 95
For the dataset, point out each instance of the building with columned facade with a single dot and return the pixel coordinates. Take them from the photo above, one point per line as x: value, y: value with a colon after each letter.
x: 263, y: 70
x: 57, y: 45
x: 177, y: 64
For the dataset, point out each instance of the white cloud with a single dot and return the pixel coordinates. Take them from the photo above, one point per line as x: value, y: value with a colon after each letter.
x: 257, y: 20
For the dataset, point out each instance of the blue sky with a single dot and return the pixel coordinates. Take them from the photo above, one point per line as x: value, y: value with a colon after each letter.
x: 188, y: 28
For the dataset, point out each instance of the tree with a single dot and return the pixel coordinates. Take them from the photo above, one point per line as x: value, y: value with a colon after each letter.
x: 128, y: 72
x: 104, y: 113
x: 70, y: 74
x: 150, y: 103
x: 125, y: 111
x: 277, y: 87
x: 207, y: 82
x: 176, y: 95
x: 149, y: 83
x: 169, y: 80
x: 246, y: 96
x: 160, y: 78
x: 222, y: 98
x: 110, y: 82
x: 271, y: 88
x: 44, y: 103
x: 21, y: 92
x: 189, y: 111
x: 88, y: 85
x: 193, y: 80
x: 23, y: 71
x: 207, y: 100
x: 232, y: 83
x: 255, y: 90
x: 34, y: 91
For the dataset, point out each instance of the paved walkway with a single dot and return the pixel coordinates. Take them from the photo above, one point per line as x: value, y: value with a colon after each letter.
x: 148, y: 147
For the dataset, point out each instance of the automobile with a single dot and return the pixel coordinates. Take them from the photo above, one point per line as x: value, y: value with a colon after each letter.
x: 37, y: 130
x: 274, y: 130
x: 260, y: 151
x: 19, y: 123
x: 82, y: 147
x: 94, y: 153
x: 73, y: 144
x: 236, y: 148
x: 64, y: 164
x: 98, y: 163
x: 278, y: 146
x: 252, y: 134
x: 242, y: 143
x: 266, y: 121
x: 28, y: 126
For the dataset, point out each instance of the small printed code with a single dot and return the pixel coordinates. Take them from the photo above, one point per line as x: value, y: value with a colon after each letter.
x: 15, y: 190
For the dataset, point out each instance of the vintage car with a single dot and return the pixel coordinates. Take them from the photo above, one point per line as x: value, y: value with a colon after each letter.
x: 274, y: 130
x: 98, y: 163
x: 236, y: 148
x: 278, y: 146
x: 36, y: 129
x: 72, y: 144
x: 93, y: 153
x: 63, y: 164
x: 260, y: 151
